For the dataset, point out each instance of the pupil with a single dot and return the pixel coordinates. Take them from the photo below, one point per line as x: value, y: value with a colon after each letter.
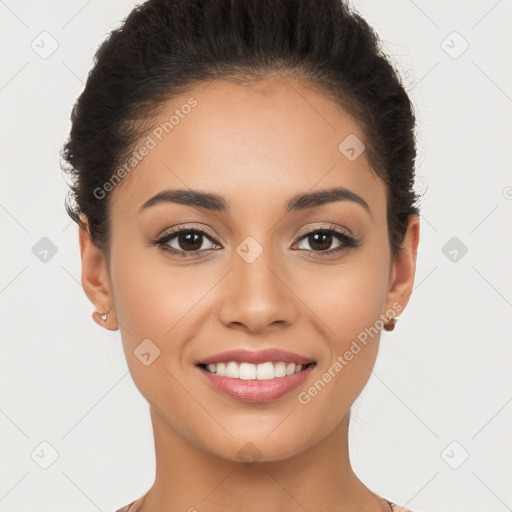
x: 324, y: 235
x: 186, y: 238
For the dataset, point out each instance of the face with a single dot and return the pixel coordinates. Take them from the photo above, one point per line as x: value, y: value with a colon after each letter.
x: 259, y: 273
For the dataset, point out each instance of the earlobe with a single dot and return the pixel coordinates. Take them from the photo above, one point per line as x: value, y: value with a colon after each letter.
x: 404, y: 268
x: 95, y: 279
x: 106, y: 320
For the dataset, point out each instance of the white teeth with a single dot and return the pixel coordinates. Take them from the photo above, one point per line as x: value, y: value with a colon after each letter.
x: 243, y: 371
x: 248, y: 371
x: 280, y: 369
x: 264, y: 371
x: 232, y: 370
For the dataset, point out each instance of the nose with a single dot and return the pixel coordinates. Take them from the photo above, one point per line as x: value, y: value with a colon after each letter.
x: 256, y: 295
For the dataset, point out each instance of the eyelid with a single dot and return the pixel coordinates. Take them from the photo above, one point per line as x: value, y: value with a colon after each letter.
x: 178, y: 229
x: 186, y: 227
x: 348, y: 241
x: 327, y: 227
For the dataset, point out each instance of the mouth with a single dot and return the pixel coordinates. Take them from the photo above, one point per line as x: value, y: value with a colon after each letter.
x: 268, y: 370
x: 248, y: 382
x: 255, y: 376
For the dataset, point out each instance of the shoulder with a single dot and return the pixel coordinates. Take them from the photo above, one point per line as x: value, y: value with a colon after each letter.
x: 394, y: 507
x: 397, y: 508
x: 126, y: 507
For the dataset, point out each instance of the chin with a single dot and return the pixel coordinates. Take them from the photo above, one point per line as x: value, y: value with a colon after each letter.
x: 258, y: 448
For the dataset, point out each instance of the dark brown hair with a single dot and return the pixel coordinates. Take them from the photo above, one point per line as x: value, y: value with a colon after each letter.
x: 165, y: 46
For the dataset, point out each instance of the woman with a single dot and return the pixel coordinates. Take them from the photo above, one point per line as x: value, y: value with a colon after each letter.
x: 243, y: 183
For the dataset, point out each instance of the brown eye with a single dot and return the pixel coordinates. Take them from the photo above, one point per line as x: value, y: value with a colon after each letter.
x: 320, y: 240
x: 185, y: 240
x: 189, y: 240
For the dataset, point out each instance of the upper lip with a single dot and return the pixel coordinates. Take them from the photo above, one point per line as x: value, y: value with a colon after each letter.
x: 256, y: 357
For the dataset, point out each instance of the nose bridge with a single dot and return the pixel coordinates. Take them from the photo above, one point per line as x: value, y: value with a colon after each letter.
x: 254, y: 293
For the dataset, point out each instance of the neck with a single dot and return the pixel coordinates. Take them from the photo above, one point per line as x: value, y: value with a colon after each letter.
x: 191, y: 479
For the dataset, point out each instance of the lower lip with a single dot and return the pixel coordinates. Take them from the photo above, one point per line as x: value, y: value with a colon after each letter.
x: 254, y: 390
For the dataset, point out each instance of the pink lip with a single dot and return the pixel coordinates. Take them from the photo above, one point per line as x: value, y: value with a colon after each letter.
x: 254, y: 390
x: 261, y: 356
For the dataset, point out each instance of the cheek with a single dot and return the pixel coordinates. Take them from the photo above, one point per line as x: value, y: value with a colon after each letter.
x: 347, y: 302
x: 150, y: 297
x: 134, y: 299
x: 347, y: 299
x: 348, y: 315
x: 137, y: 294
x: 158, y: 302
x: 149, y: 307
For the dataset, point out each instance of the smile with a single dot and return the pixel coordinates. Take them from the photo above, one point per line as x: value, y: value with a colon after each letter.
x: 255, y: 382
x: 248, y: 371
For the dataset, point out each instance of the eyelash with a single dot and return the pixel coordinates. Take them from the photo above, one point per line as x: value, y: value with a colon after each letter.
x: 347, y: 241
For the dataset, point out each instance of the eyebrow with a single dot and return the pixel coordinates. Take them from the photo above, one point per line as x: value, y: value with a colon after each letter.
x: 214, y: 202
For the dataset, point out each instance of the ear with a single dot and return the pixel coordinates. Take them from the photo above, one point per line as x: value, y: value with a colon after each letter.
x: 95, y: 279
x: 403, y: 269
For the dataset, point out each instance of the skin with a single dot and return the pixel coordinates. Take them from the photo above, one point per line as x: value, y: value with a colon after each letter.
x: 256, y: 145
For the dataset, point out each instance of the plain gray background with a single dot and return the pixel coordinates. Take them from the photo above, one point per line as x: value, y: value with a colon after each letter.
x: 430, y: 431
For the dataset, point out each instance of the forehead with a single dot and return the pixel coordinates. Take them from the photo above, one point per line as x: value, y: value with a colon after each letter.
x: 263, y: 141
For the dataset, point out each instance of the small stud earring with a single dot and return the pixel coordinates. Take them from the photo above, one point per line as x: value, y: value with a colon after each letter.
x: 391, y: 324
x: 104, y: 317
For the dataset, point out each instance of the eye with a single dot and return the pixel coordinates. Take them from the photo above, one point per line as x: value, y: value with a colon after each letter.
x: 187, y: 241
x: 184, y: 240
x: 321, y: 239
